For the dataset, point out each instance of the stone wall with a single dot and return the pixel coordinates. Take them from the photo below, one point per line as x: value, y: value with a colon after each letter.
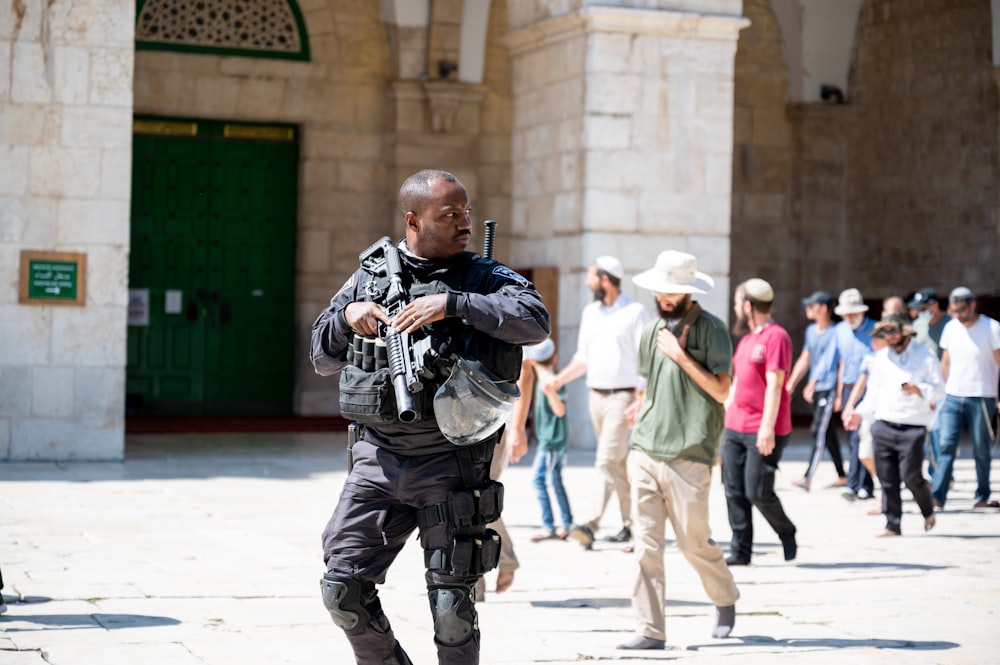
x: 65, y: 160
x: 622, y: 145
x: 922, y: 184
x: 766, y: 240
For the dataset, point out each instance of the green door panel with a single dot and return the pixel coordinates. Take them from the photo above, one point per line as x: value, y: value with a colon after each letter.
x: 214, y: 218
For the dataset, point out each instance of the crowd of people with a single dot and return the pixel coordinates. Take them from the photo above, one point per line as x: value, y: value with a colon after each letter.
x: 466, y: 349
x: 900, y: 388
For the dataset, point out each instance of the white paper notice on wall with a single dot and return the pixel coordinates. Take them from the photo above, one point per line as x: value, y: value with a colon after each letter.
x: 138, y: 307
x: 173, y: 301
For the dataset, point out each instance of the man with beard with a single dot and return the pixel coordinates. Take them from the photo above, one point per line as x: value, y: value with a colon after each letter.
x: 904, y: 381
x: 606, y: 349
x: 758, y: 422
x: 686, y: 357
x: 429, y: 470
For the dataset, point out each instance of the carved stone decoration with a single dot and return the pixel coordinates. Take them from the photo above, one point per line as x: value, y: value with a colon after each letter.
x: 445, y: 98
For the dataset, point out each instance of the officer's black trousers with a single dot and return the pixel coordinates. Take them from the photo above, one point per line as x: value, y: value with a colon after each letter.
x: 374, y: 517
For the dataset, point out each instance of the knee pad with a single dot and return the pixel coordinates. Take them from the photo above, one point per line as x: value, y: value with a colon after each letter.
x: 342, y: 598
x: 454, y: 613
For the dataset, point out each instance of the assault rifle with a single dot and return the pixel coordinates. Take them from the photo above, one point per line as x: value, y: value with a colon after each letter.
x: 412, y: 360
x: 406, y: 363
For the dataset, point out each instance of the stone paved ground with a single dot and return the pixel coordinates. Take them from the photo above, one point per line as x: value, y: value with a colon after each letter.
x: 205, y: 550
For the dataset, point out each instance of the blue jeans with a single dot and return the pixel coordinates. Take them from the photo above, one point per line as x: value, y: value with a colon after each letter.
x: 957, y: 412
x: 549, y: 465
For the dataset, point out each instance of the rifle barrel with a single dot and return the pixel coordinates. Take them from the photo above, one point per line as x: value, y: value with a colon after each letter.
x: 397, y: 368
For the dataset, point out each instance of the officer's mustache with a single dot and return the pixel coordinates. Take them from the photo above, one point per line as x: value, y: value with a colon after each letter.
x: 463, y: 234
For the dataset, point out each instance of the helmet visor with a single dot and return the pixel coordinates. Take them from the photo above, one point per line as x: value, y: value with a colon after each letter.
x: 473, y: 404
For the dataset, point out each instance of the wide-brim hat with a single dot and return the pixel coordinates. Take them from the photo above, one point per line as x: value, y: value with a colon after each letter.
x: 850, y: 302
x: 894, y: 321
x: 674, y: 272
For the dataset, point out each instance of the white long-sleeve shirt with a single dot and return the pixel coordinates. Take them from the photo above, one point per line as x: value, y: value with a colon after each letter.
x: 885, y: 399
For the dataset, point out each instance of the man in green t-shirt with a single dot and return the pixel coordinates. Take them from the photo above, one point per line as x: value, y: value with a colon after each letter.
x: 686, y: 357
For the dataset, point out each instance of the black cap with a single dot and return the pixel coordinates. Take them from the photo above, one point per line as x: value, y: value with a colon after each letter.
x: 818, y: 297
x: 922, y: 297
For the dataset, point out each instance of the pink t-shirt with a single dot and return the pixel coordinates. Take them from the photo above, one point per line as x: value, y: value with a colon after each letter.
x: 756, y: 354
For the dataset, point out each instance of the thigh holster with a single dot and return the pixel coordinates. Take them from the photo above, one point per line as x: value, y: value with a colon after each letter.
x: 465, y: 509
x: 467, y: 556
x: 474, y: 549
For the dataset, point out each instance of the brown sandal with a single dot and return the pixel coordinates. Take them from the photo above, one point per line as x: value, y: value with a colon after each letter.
x: 544, y: 535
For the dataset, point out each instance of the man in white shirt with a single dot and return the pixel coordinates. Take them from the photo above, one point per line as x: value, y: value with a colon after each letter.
x: 970, y: 362
x: 904, y: 381
x: 607, y: 352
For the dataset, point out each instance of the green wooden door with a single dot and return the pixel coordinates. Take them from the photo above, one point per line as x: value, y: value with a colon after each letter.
x: 212, y: 268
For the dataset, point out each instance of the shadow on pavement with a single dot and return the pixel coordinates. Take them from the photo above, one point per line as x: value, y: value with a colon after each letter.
x: 888, y: 565
x: 70, y: 621
x: 831, y: 643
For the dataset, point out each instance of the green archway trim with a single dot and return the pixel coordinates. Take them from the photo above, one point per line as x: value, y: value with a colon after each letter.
x: 210, y: 26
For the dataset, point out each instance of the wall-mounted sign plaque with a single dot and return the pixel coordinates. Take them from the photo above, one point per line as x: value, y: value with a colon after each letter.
x: 53, y: 278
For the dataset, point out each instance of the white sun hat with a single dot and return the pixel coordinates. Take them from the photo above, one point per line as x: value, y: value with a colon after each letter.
x: 674, y: 272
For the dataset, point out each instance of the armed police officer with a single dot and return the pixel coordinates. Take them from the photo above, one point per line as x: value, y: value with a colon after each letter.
x: 453, y: 324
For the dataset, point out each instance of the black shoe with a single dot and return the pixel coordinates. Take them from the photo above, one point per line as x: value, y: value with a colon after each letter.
x: 734, y: 560
x: 642, y: 642
x: 790, y: 547
x: 622, y: 536
x: 583, y: 535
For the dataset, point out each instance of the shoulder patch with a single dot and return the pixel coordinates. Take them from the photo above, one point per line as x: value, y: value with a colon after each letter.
x: 347, y: 285
x: 501, y: 270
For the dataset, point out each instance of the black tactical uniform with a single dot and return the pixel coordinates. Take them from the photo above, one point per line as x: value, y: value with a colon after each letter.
x: 408, y: 475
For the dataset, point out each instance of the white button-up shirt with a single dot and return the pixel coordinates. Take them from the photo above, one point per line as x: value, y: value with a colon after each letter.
x: 888, y: 371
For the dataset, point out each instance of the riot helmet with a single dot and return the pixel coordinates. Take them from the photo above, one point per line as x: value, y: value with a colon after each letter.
x: 473, y: 403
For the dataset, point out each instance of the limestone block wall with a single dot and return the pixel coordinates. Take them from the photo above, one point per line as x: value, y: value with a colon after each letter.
x: 493, y: 197
x: 622, y: 141
x: 526, y: 12
x: 65, y: 160
x: 766, y: 239
x: 922, y: 182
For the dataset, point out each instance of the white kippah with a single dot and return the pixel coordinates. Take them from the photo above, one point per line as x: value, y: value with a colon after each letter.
x: 610, y: 265
x: 759, y: 290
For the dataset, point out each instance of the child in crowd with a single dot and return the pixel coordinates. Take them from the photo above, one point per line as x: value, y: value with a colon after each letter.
x: 550, y: 430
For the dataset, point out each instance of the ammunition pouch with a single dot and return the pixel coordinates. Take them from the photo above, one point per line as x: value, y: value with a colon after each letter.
x: 467, y: 556
x: 367, y: 397
x: 465, y: 509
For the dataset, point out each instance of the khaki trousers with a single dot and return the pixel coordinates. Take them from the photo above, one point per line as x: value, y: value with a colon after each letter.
x: 607, y: 414
x: 678, y: 491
